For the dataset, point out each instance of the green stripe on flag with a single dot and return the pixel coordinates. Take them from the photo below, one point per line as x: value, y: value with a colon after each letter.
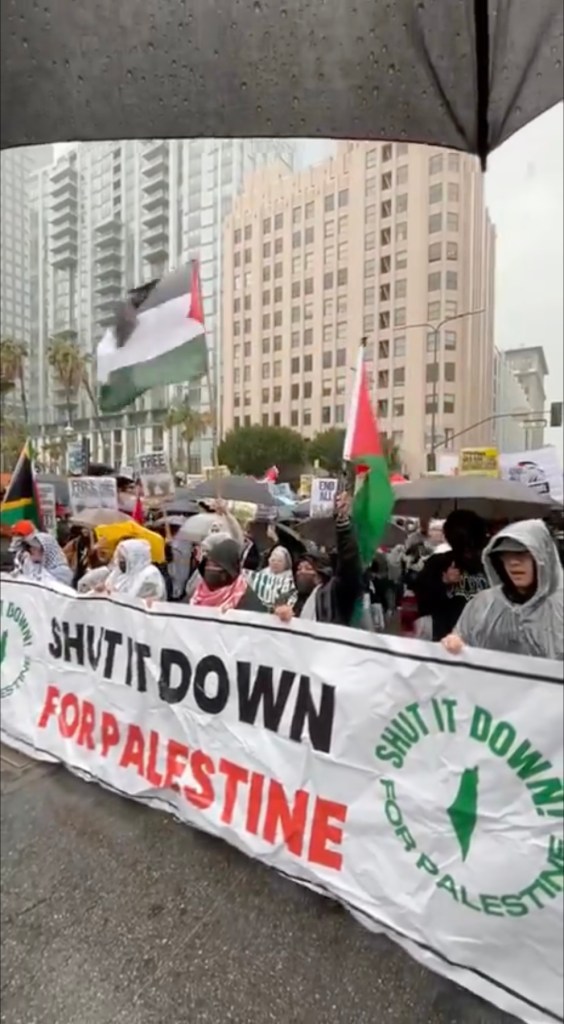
x: 372, y: 506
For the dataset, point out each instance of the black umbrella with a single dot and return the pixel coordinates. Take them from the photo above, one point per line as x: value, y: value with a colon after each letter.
x: 465, y: 74
x: 235, y: 488
x: 321, y: 530
x: 181, y: 505
x: 487, y: 496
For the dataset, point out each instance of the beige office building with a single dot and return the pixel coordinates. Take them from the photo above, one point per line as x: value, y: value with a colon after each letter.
x: 384, y: 241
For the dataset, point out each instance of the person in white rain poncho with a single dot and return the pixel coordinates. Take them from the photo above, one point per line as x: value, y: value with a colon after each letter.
x: 40, y: 558
x: 132, y: 573
x: 522, y: 612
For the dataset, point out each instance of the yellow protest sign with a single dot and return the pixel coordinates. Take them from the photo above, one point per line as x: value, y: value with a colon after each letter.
x: 478, y: 462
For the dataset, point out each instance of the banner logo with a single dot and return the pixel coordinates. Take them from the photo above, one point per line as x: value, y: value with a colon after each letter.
x: 15, y: 638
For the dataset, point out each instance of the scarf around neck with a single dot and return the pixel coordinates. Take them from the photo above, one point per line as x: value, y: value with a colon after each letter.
x: 225, y: 598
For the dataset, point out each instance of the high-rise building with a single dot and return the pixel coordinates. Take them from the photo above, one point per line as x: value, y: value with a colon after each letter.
x: 110, y: 216
x: 512, y: 408
x: 16, y: 293
x: 387, y: 242
x: 529, y: 366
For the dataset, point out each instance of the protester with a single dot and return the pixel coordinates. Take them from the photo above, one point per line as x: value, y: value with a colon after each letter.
x: 275, y: 585
x: 250, y: 558
x: 522, y: 612
x: 222, y: 585
x: 324, y: 595
x: 43, y: 559
x: 448, y: 580
x: 132, y: 573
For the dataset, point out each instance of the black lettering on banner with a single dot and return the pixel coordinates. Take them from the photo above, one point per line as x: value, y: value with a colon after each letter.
x: 73, y: 643
x: 263, y: 693
x: 211, y: 665
x: 113, y: 640
x: 171, y: 659
x: 319, y: 720
x: 143, y: 654
x: 94, y: 651
x: 55, y: 648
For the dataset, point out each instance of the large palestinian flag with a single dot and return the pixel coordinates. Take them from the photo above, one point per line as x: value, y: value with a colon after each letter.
x: 20, y: 500
x: 159, y: 338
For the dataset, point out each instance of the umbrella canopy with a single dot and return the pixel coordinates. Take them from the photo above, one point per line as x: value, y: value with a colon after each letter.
x: 172, y: 520
x: 92, y: 517
x: 196, y: 528
x: 321, y: 529
x: 487, y: 496
x: 234, y: 488
x: 182, y: 504
x: 465, y: 75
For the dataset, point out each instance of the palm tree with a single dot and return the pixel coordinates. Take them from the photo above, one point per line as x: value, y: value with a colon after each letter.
x: 70, y: 366
x: 192, y: 424
x: 13, y: 355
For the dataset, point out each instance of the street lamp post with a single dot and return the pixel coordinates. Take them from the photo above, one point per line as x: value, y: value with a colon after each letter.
x: 436, y: 331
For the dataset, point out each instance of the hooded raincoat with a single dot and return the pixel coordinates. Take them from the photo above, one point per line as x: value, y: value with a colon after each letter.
x: 53, y: 564
x: 495, y: 621
x: 141, y: 579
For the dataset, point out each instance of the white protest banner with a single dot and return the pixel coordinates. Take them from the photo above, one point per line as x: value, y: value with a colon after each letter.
x: 155, y: 475
x: 539, y: 469
x: 87, y: 492
x: 323, y: 494
x: 423, y: 791
x: 48, y: 502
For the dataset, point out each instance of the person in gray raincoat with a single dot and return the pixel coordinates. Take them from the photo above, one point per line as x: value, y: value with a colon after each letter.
x: 522, y: 612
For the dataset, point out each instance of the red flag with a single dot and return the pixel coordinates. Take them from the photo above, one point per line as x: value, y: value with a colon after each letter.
x: 137, y: 513
x: 196, y: 310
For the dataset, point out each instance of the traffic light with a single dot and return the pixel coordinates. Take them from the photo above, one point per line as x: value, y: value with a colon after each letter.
x: 556, y: 414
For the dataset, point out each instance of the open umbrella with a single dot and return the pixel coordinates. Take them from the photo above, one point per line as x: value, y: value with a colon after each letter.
x: 487, y: 496
x: 234, y: 488
x: 182, y: 504
x: 197, y: 528
x: 465, y: 74
x: 92, y: 517
x: 321, y: 529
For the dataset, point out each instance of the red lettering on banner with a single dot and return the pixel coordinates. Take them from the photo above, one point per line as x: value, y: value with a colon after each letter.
x: 133, y: 753
x: 292, y: 821
x: 234, y: 775
x: 153, y: 776
x: 50, y: 707
x: 85, y: 736
x: 177, y: 755
x: 69, y: 715
x: 110, y: 732
x: 202, y: 767
x: 324, y: 831
x: 254, y: 804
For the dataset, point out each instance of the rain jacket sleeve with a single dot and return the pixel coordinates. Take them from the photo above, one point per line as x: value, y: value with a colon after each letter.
x: 337, y: 600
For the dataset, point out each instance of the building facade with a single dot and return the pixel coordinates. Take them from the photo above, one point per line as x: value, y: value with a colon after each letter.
x: 387, y: 242
x: 529, y: 366
x: 512, y: 408
x: 110, y: 216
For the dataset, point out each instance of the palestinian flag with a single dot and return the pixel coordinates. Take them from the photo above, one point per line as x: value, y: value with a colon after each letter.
x: 20, y: 500
x: 374, y: 497
x: 159, y: 338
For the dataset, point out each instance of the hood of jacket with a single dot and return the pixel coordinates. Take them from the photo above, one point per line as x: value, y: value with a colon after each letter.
x: 536, y: 538
x: 136, y: 554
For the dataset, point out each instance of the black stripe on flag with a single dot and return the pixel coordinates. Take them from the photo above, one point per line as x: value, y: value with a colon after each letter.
x: 148, y: 296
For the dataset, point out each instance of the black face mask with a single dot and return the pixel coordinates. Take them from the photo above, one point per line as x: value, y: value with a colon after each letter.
x: 122, y: 566
x: 216, y: 578
x: 305, y: 585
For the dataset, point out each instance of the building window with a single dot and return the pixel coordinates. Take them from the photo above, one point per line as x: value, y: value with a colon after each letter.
x: 279, y: 222
x: 370, y: 294
x: 436, y: 164
x: 237, y: 259
x: 383, y: 320
x: 386, y: 236
x: 266, y: 225
x: 329, y: 203
x: 266, y: 273
x: 434, y: 281
x: 278, y: 294
x: 278, y: 246
x: 371, y: 158
x: 295, y: 339
x: 431, y: 404
x: 236, y: 376
x: 236, y: 305
x: 341, y: 330
x: 343, y: 197
x: 266, y: 298
x: 296, y: 264
x: 385, y: 265
x: 450, y: 341
x: 399, y: 316
x: 387, y: 152
x: 435, y: 252
x: 453, y: 192
x: 328, y: 280
x: 386, y: 181
x: 296, y: 289
x: 399, y: 376
x: 452, y: 221
x: 308, y: 337
x: 329, y: 254
x: 370, y: 188
x: 327, y: 360
x: 294, y: 418
x: 308, y: 286
x: 401, y: 203
x: 329, y: 230
x: 431, y: 336
x: 278, y: 318
x: 309, y: 211
x: 383, y: 349
x: 451, y: 307
x: 237, y: 236
x: 296, y: 239
x: 432, y: 373
x: 386, y: 209
x: 265, y: 419
x: 368, y: 323
x: 247, y: 374
x: 276, y: 419
x: 265, y: 396
x: 370, y: 215
x: 295, y: 314
x: 369, y: 268
x: 383, y: 406
x: 295, y: 392
x: 342, y: 251
x: 383, y: 379
x: 306, y: 420
x: 434, y: 311
x: 370, y: 240
x: 278, y: 270
x: 295, y: 364
x: 401, y: 177
x: 265, y: 371
x: 401, y: 260
x: 450, y: 372
x: 277, y: 394
x: 296, y: 215
x: 265, y: 321
x: 449, y: 431
x: 343, y: 223
x: 328, y: 307
x: 341, y: 357
x: 277, y: 367
x: 265, y: 346
x: 435, y: 223
x: 308, y: 236
x: 401, y: 231
x: 452, y: 250
x: 436, y: 193
x: 399, y: 347
x: 448, y: 404
x: 342, y: 277
x: 454, y: 161
x: 308, y: 311
x: 308, y: 387
x: 401, y: 288
x: 398, y: 407
x: 308, y: 364
x: 451, y: 280
x: 326, y: 414
x: 308, y: 262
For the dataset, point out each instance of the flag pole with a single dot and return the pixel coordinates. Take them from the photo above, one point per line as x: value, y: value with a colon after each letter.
x: 347, y: 482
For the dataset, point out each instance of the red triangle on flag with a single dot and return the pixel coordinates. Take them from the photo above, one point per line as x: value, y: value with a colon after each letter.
x: 196, y: 310
x: 362, y: 437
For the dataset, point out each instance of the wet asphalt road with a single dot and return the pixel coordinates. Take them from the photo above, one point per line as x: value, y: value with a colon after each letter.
x: 115, y: 914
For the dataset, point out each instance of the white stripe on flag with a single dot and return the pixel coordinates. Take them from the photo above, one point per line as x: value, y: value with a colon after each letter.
x: 158, y: 330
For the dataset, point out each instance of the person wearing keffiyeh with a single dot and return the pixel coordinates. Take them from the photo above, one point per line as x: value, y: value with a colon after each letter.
x: 44, y: 560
